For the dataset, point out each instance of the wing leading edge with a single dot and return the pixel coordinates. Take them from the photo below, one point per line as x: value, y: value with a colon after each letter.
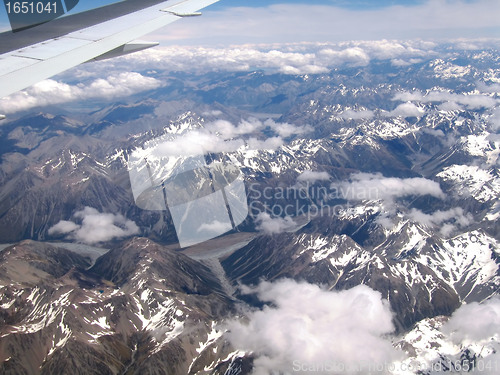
x: 22, y: 67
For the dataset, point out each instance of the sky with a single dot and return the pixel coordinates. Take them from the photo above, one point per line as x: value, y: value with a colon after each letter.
x: 285, y: 21
x: 355, y: 4
x: 230, y: 22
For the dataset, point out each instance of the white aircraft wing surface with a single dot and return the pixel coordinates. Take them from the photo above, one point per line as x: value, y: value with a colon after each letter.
x: 40, y: 52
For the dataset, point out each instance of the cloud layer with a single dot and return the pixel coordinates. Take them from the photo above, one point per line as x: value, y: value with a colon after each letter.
x: 224, y: 136
x: 51, y: 92
x: 313, y: 176
x: 406, y: 110
x: 306, y: 326
x: 447, y: 221
x: 452, y: 100
x: 374, y: 186
x: 475, y: 322
x: 273, y: 225
x: 387, y: 190
x: 477, y: 326
x: 287, y: 58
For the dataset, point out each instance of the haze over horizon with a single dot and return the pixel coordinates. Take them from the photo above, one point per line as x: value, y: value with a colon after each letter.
x: 240, y: 21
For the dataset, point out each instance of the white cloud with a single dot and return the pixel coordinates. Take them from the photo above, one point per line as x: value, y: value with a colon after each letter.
x: 287, y: 58
x: 439, y: 218
x: 228, y: 130
x: 476, y: 101
x: 403, y: 63
x: 475, y: 322
x: 454, y: 101
x: 237, y: 58
x: 493, y: 88
x: 293, y: 58
x: 284, y: 129
x: 274, y: 225
x: 271, y: 143
x: 450, y: 106
x: 354, y: 56
x: 313, y: 176
x: 51, y: 92
x: 307, y: 326
x: 477, y: 326
x: 494, y: 120
x: 215, y: 227
x: 63, y: 227
x: 386, y: 190
x: 95, y: 227
x: 470, y: 334
x: 214, y: 113
x: 374, y: 186
x: 357, y: 115
x: 224, y: 136
x: 406, y: 110
x: 196, y: 142
x: 434, y: 132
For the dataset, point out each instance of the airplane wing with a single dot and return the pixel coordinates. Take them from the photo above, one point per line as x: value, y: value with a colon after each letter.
x: 38, y: 53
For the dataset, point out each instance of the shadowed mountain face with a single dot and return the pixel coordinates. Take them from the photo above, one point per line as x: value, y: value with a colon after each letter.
x: 378, y: 175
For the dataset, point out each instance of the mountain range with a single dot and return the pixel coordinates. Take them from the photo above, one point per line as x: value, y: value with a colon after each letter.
x: 378, y: 175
